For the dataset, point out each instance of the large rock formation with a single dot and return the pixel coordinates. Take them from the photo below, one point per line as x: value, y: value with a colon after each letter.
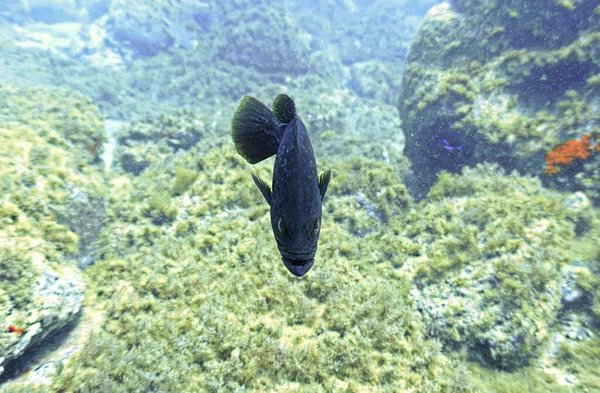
x: 504, y: 82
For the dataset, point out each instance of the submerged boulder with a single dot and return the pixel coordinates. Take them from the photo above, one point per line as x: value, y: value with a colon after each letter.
x: 52, y: 140
x: 488, y: 265
x: 147, y: 28
x: 264, y: 38
x: 507, y: 84
x: 52, y: 211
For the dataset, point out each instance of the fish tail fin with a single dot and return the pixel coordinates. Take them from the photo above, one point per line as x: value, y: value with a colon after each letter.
x: 254, y: 130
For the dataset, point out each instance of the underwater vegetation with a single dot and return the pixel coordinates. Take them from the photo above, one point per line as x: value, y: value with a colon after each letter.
x: 211, y: 297
x: 489, y: 274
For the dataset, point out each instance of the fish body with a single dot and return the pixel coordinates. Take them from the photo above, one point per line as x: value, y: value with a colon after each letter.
x: 297, y: 192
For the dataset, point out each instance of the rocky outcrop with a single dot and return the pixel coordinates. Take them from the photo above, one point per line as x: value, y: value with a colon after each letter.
x: 52, y: 211
x: 152, y: 27
x: 489, y: 82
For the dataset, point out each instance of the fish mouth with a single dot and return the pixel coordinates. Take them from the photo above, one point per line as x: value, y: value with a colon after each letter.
x: 298, y: 267
x: 298, y: 263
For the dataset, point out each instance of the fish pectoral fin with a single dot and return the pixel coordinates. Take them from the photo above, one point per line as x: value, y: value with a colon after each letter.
x: 284, y: 108
x: 263, y: 187
x: 324, y: 182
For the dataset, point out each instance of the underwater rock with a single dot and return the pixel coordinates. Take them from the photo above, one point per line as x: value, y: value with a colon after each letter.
x: 148, y: 140
x: 147, y: 28
x: 55, y: 298
x: 52, y: 212
x: 51, y: 164
x: 489, y: 275
x: 264, y: 38
x: 506, y: 84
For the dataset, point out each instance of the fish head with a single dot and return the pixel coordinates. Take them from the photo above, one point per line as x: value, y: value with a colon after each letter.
x: 297, y: 237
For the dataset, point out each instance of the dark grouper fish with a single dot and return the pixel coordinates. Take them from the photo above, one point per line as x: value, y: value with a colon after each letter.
x: 298, y: 191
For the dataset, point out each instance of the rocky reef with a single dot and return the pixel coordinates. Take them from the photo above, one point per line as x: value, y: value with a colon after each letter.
x: 478, y: 271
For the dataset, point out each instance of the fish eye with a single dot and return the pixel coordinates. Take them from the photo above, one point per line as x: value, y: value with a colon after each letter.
x: 316, y: 227
x: 281, y: 225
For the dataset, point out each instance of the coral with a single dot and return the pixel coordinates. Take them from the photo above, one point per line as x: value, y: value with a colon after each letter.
x: 567, y: 153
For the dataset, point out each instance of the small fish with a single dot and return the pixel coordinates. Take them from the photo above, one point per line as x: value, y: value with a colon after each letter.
x: 450, y: 145
x: 297, y: 190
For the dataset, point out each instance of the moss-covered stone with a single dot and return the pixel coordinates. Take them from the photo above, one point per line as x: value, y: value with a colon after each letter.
x: 508, y: 94
x: 150, y: 139
x: 489, y: 273
x: 264, y: 38
x: 50, y: 142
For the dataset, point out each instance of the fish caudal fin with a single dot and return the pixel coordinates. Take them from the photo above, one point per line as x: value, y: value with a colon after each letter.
x: 284, y: 108
x: 254, y: 130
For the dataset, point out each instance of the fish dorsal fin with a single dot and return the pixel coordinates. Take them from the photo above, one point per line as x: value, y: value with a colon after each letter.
x: 284, y: 108
x: 323, y: 183
x: 263, y: 187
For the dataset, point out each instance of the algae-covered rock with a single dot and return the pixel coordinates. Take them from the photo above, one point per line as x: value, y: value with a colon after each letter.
x: 59, y: 116
x: 488, y: 275
x: 264, y: 38
x: 38, y: 297
x: 52, y: 211
x: 490, y: 82
x: 147, y: 28
x: 150, y: 139
x: 51, y: 140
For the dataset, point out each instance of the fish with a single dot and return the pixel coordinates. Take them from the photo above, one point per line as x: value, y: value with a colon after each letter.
x: 297, y: 191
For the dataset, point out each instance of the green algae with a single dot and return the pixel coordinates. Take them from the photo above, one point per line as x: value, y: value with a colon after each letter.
x: 196, y: 299
x: 211, y: 296
x: 50, y: 111
x: 490, y: 268
x: 16, y: 278
x: 183, y: 180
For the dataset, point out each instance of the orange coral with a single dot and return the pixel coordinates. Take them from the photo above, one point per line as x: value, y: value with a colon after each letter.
x: 566, y: 153
x: 13, y: 329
